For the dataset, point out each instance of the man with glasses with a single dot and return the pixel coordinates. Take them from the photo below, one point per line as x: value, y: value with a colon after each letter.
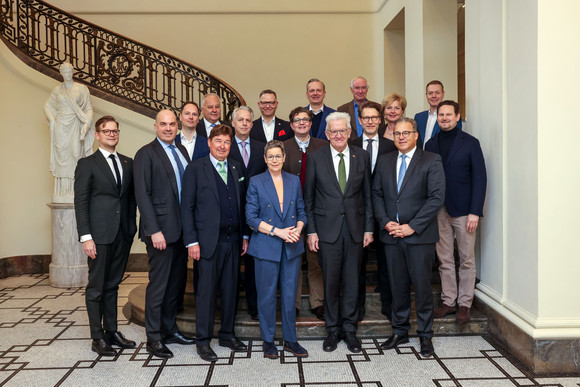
x: 269, y: 127
x: 298, y: 150
x: 105, y: 211
x: 359, y: 88
x: 337, y: 197
x: 408, y: 191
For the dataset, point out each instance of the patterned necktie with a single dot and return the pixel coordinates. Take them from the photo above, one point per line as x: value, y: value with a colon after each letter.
x: 402, y: 171
x: 245, y: 153
x: 222, y: 171
x: 178, y: 162
x: 341, y: 173
x: 117, y: 173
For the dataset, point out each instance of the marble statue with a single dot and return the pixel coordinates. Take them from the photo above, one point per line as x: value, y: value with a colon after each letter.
x: 70, y: 118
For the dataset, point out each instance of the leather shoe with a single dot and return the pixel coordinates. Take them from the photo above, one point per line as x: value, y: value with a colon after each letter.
x: 117, y: 338
x: 330, y: 342
x: 443, y: 311
x: 318, y: 312
x: 234, y: 344
x: 394, y: 341
x: 352, y: 342
x: 206, y: 353
x: 463, y: 315
x: 296, y: 349
x: 103, y: 348
x: 178, y: 338
x: 270, y: 350
x: 426, y: 347
x: 158, y: 349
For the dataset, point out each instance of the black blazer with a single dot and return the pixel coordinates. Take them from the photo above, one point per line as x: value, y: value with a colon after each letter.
x: 201, y: 127
x: 282, y: 130
x: 325, y: 203
x: 421, y: 196
x: 200, y: 204
x: 156, y: 192
x: 385, y: 146
x: 256, y: 164
x: 100, y: 208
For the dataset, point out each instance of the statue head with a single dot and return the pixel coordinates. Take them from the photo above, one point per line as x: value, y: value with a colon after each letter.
x: 66, y: 70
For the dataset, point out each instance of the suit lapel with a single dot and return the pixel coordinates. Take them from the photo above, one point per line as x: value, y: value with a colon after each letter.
x: 209, y: 175
x: 103, y: 165
x: 455, y: 147
x: 158, y: 148
x: 351, y: 170
x: 330, y: 167
x: 414, y: 161
x: 124, y: 179
x: 236, y: 174
x: 272, y: 193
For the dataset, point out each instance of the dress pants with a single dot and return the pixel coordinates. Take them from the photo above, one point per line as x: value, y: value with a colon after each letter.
x: 340, y: 262
x: 382, y: 278
x: 450, y: 227
x: 217, y: 274
x: 411, y: 264
x: 268, y: 275
x: 105, y: 273
x: 315, y: 283
x: 163, y: 289
x: 250, y: 284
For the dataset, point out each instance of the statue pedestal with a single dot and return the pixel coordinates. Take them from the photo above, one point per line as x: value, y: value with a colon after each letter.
x: 68, y: 268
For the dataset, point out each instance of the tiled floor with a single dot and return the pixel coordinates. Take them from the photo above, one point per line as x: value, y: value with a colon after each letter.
x: 44, y: 341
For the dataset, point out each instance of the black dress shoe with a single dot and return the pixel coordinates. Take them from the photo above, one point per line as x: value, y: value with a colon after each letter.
x: 394, y: 341
x: 158, y: 349
x: 318, y: 312
x: 295, y: 348
x: 178, y: 338
x: 234, y: 344
x: 117, y: 338
x: 206, y: 353
x: 330, y: 342
x: 103, y: 348
x: 270, y: 350
x: 426, y: 347
x: 352, y: 342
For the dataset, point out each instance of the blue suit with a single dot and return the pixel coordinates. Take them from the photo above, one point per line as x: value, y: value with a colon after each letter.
x: 421, y: 119
x: 201, y: 148
x: 322, y: 128
x: 275, y: 260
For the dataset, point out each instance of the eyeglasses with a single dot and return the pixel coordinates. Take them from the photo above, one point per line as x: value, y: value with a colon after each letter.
x: 297, y: 120
x: 370, y: 118
x: 110, y: 132
x: 405, y: 134
x: 274, y: 157
x: 268, y: 103
x: 337, y: 132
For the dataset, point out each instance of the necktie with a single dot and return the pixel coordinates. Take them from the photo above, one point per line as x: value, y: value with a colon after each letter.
x: 341, y: 173
x: 222, y: 171
x: 370, y: 150
x: 402, y: 171
x: 117, y: 173
x: 178, y: 162
x: 245, y: 153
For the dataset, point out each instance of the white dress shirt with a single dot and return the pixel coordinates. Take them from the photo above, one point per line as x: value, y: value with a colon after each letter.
x: 336, y: 160
x: 269, y: 129
x: 407, y: 161
x: 431, y: 120
x: 189, y: 145
x: 375, y: 145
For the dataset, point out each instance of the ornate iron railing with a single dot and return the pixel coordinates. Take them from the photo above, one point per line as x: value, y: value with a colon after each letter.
x: 115, y: 68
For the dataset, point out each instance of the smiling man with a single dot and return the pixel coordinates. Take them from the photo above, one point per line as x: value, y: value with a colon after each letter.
x: 211, y: 110
x: 269, y: 127
x: 189, y: 119
x: 359, y: 88
x: 316, y: 92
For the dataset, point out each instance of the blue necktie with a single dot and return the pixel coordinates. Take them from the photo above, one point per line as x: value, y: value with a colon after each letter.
x: 402, y: 171
x: 178, y: 162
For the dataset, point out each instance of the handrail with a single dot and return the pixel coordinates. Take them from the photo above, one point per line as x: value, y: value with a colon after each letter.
x: 115, y: 68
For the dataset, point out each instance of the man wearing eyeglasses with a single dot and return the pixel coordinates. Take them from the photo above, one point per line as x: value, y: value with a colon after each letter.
x: 298, y: 150
x: 269, y: 127
x: 337, y: 197
x: 105, y: 211
x: 408, y: 191
x: 359, y: 88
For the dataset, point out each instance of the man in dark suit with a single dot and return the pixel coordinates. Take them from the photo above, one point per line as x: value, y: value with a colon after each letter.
x: 369, y: 116
x: 105, y: 212
x: 316, y: 92
x: 408, y: 191
x: 212, y: 112
x: 466, y: 181
x: 269, y: 127
x: 427, y: 120
x: 188, y: 137
x: 359, y: 88
x: 297, y: 150
x: 158, y: 172
x: 340, y: 223
x: 213, y: 231
x: 249, y: 153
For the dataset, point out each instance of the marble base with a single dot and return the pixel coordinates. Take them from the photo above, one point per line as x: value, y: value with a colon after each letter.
x: 68, y: 268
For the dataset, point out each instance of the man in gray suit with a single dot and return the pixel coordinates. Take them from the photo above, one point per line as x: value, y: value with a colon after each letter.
x: 408, y: 191
x: 337, y: 197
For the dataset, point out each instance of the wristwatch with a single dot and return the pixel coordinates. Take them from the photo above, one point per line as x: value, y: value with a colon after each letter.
x: 271, y: 233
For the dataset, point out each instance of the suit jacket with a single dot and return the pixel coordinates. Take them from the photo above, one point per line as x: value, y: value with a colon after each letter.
x: 349, y: 108
x: 282, y: 130
x: 326, y: 204
x: 100, y: 209
x: 262, y: 204
x: 200, y: 204
x: 201, y: 127
x: 156, y: 192
x: 201, y: 149
x: 465, y: 175
x: 421, y: 119
x: 293, y: 162
x: 421, y: 196
x: 385, y: 146
x: 321, y: 130
x: 256, y: 164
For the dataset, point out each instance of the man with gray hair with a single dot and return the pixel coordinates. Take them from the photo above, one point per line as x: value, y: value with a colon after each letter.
x: 337, y: 198
x: 359, y: 88
x: 212, y: 111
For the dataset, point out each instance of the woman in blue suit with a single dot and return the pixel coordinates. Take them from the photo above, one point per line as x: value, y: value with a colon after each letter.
x: 275, y: 213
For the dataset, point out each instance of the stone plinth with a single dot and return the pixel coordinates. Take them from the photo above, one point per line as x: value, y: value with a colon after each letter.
x: 68, y: 268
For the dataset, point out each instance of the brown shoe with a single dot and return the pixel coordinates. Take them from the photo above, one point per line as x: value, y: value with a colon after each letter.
x: 443, y: 310
x: 463, y: 315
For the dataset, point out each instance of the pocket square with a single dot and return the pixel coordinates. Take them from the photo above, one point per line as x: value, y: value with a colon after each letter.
x: 241, y: 178
x: 282, y: 133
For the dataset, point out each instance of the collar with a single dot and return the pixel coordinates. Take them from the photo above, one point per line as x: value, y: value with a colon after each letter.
x: 365, y: 137
x: 410, y: 153
x: 215, y: 161
x: 164, y: 144
x: 107, y: 153
x: 345, y: 152
x: 238, y: 141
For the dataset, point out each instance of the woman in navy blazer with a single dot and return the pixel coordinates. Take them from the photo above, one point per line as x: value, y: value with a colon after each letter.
x: 275, y: 213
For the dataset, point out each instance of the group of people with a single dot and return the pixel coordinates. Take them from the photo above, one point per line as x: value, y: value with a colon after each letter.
x: 326, y: 184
